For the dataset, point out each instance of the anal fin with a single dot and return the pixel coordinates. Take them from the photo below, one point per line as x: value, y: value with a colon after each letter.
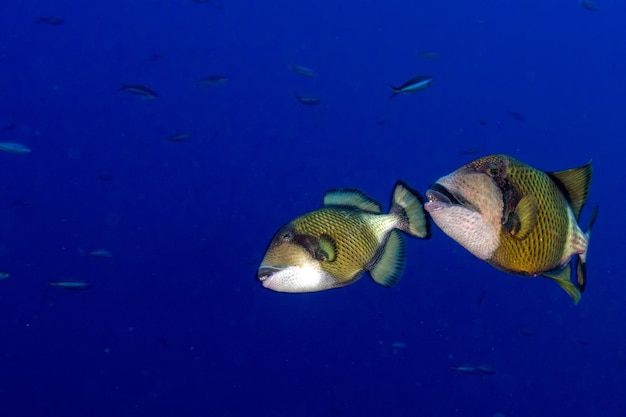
x: 388, y: 270
x: 562, y: 277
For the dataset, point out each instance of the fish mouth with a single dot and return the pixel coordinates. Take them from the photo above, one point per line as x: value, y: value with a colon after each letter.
x: 439, y: 197
x: 266, y: 273
x: 438, y: 192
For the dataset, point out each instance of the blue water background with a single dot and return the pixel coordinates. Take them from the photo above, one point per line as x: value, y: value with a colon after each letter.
x: 176, y: 323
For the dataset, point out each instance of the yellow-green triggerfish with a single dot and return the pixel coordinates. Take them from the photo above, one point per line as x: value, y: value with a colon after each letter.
x: 517, y: 218
x: 333, y: 246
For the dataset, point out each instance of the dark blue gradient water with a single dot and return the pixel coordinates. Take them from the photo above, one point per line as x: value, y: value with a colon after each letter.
x: 176, y: 324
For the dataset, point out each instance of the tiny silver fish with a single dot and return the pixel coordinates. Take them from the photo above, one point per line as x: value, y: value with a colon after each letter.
x: 51, y: 20
x: 590, y: 5
x: 71, y: 285
x: 140, y: 90
x: 464, y: 369
x: 517, y: 115
x: 308, y: 100
x: 304, y: 71
x: 13, y: 147
x: 212, y: 80
x: 97, y: 253
x: 415, y: 84
x: 179, y: 137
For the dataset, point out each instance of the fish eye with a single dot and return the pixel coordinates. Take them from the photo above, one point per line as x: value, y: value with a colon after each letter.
x: 493, y: 170
x: 287, y: 236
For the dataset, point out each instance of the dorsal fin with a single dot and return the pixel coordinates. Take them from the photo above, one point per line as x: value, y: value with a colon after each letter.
x: 575, y: 184
x: 349, y: 197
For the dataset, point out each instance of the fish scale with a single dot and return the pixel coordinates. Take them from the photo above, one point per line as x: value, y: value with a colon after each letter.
x: 355, y: 242
x: 517, y: 218
x: 532, y: 254
x: 335, y: 245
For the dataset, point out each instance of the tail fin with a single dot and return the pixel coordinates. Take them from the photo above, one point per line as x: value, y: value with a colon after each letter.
x: 581, y: 262
x: 407, y: 206
x: 395, y: 92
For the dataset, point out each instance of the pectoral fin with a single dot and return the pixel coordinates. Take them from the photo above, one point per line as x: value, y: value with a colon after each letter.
x: 563, y: 278
x: 524, y: 219
x: 390, y: 265
x: 326, y: 250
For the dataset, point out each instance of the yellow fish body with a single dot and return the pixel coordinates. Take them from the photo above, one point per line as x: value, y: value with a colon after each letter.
x: 333, y: 246
x: 517, y: 218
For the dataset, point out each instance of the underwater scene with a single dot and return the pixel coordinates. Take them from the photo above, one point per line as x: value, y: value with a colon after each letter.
x: 226, y: 208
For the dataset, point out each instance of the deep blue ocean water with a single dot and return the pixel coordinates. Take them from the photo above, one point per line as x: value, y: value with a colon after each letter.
x: 176, y: 323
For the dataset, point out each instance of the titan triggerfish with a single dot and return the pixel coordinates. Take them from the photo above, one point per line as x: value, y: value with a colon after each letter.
x: 517, y: 218
x: 333, y: 246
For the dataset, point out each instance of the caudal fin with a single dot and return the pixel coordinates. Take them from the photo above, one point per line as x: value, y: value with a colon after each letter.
x: 408, y: 207
x: 395, y: 92
x: 581, y: 262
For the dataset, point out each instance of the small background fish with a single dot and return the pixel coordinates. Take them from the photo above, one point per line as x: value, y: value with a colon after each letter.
x: 308, y: 100
x: 51, y: 20
x: 12, y: 147
x: 212, y: 80
x: 415, y: 84
x: 139, y: 90
x: 179, y: 137
x: 96, y: 253
x: 70, y: 285
x: 304, y: 71
x: 590, y: 5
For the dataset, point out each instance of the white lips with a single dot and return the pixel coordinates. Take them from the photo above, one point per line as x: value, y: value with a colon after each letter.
x: 433, y: 206
x: 266, y: 283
